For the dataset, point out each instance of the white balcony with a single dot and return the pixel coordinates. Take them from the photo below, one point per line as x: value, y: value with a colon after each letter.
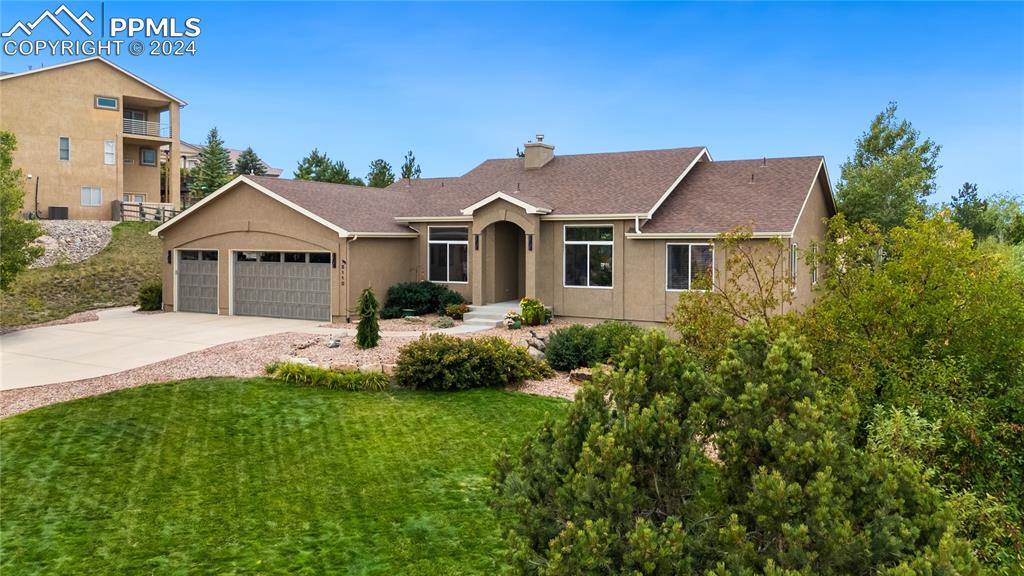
x: 145, y: 128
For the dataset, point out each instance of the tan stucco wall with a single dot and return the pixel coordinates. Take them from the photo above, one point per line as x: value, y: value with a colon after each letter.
x: 380, y: 263
x: 39, y: 108
x: 245, y: 219
x: 810, y: 228
x: 138, y: 178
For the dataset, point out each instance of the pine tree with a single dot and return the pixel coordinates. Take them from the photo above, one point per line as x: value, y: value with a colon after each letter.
x: 410, y: 169
x: 380, y: 175
x: 214, y: 167
x: 318, y: 167
x: 971, y: 212
x: 368, y: 332
x: 249, y: 163
x: 16, y: 249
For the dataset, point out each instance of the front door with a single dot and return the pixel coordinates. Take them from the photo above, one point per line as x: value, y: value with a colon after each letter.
x: 509, y: 254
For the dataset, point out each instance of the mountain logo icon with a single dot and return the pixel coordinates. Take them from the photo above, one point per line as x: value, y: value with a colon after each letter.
x: 28, y: 28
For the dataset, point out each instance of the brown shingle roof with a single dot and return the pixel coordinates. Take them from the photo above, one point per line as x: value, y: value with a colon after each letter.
x: 353, y: 208
x: 718, y: 196
x: 607, y: 183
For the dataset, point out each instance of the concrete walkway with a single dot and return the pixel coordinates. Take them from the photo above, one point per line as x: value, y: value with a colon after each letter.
x: 122, y: 339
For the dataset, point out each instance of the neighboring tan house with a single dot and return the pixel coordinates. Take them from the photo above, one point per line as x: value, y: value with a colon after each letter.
x: 190, y: 158
x: 615, y: 235
x: 89, y: 133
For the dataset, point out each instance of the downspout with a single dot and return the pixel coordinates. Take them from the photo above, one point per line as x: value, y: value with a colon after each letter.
x: 636, y: 225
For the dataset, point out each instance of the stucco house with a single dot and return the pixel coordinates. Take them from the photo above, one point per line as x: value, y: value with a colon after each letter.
x: 90, y: 133
x: 610, y: 235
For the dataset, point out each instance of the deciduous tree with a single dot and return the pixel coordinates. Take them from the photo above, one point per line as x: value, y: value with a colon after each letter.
x: 891, y: 173
x: 16, y: 234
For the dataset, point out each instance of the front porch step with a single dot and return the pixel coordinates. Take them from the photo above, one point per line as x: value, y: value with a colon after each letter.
x: 489, y: 314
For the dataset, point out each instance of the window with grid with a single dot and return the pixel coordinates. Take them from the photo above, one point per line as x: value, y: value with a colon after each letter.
x: 448, y: 254
x: 588, y: 256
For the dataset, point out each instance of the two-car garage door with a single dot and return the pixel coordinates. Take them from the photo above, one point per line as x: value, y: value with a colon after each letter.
x: 283, y: 285
x: 275, y: 284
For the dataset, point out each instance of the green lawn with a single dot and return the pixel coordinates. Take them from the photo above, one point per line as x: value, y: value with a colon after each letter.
x: 110, y: 278
x: 226, y: 476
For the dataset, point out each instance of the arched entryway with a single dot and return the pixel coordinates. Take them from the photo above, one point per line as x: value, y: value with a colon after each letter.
x: 505, y: 263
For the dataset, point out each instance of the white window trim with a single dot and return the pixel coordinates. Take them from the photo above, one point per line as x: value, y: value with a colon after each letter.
x: 112, y: 153
x: 90, y: 188
x: 447, y: 268
x: 59, y: 138
x: 814, y: 265
x: 117, y: 102
x: 689, y: 265
x: 794, y: 257
x: 588, y: 243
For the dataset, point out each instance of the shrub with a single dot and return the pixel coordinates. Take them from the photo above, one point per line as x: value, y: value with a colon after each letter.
x: 390, y: 312
x: 420, y: 297
x: 572, y: 347
x: 443, y: 322
x: 456, y: 311
x: 368, y: 332
x: 305, y: 375
x: 612, y: 337
x: 151, y: 296
x: 442, y: 362
x: 533, y: 311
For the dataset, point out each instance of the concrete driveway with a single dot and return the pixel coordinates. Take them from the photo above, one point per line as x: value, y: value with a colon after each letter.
x: 119, y: 340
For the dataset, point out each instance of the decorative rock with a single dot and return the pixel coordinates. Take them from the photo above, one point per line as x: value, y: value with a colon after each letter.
x: 534, y: 353
x: 522, y: 342
x: 333, y: 343
x: 344, y: 367
x: 389, y: 369
x: 581, y: 375
x: 537, y: 343
x: 71, y: 241
x: 371, y: 368
x: 297, y: 360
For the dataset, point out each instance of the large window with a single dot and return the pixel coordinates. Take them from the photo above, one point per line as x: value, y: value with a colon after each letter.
x: 689, y: 266
x: 448, y: 254
x: 64, y: 148
x: 92, y: 196
x: 588, y: 256
x: 109, y: 154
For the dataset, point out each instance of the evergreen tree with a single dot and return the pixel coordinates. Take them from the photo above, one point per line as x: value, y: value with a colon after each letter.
x: 16, y: 234
x: 249, y: 163
x: 214, y: 167
x: 970, y: 211
x: 410, y: 169
x: 318, y: 167
x: 890, y: 175
x: 368, y: 332
x: 380, y: 175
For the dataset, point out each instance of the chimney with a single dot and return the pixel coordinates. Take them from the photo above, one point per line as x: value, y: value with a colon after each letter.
x: 538, y: 153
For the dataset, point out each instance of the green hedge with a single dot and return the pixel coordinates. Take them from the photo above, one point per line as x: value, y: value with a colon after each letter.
x: 442, y: 362
x: 579, y: 346
x: 420, y: 297
x: 305, y: 375
x: 151, y: 296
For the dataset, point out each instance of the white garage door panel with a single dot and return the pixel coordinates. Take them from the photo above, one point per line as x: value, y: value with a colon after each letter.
x: 281, y: 289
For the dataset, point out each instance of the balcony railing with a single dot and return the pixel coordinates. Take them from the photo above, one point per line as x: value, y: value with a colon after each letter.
x: 144, y: 128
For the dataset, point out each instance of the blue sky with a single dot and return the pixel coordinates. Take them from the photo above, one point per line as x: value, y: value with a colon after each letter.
x: 459, y: 83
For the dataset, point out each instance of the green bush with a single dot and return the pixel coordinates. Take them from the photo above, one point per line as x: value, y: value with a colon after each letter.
x: 442, y: 362
x: 443, y: 322
x: 456, y: 311
x: 420, y: 297
x: 533, y: 311
x: 368, y: 332
x: 151, y: 296
x: 572, y: 347
x: 612, y: 337
x: 305, y: 375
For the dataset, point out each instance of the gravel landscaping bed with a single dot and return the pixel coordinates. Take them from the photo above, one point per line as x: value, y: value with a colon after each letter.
x: 71, y: 241
x: 247, y: 358
x: 411, y: 324
x: 88, y: 316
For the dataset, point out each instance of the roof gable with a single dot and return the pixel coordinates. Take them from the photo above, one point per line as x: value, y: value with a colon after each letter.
x: 94, y: 59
